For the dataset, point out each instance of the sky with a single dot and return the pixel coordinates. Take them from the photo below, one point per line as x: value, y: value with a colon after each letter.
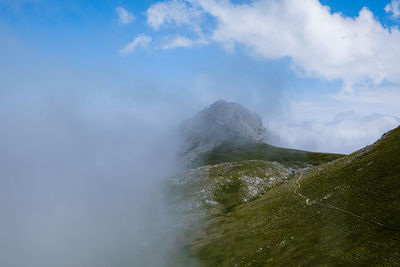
x: 314, y: 71
x: 92, y: 92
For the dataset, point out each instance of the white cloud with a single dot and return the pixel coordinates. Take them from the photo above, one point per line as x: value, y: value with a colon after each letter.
x: 124, y: 16
x: 320, y: 43
x: 346, y: 133
x: 178, y: 41
x: 141, y: 40
x: 382, y: 95
x: 393, y: 8
x: 181, y: 41
x: 175, y: 12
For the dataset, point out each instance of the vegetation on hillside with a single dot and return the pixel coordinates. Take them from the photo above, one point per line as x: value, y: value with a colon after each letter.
x: 213, y: 190
x: 345, y: 212
x: 236, y: 152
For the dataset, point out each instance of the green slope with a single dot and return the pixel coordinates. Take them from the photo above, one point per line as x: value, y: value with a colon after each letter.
x: 236, y: 152
x: 212, y: 190
x: 342, y: 213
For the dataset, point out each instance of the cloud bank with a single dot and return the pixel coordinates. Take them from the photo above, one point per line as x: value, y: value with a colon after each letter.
x: 346, y: 133
x: 81, y: 181
x: 359, y: 51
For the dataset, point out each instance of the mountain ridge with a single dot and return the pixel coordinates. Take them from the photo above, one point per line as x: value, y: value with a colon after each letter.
x: 228, y: 132
x: 343, y: 212
x: 252, y: 204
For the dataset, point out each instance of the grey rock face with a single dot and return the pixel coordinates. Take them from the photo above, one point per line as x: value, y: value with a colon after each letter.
x: 222, y: 121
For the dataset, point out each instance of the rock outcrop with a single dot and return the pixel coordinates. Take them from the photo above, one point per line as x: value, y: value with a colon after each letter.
x: 220, y: 122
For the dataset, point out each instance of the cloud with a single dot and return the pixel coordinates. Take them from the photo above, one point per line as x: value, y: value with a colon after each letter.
x: 141, y: 40
x: 181, y: 41
x: 320, y: 44
x: 346, y: 133
x: 393, y: 8
x: 82, y: 169
x: 178, y: 41
x: 386, y: 95
x: 176, y: 12
x: 124, y: 16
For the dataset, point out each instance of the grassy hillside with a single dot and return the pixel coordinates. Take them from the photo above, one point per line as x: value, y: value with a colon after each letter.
x: 233, y: 152
x: 342, y: 213
x: 217, y: 189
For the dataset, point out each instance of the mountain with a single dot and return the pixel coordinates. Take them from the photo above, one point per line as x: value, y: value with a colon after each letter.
x: 246, y: 203
x: 344, y: 212
x: 228, y: 132
x: 229, y: 162
x: 220, y: 122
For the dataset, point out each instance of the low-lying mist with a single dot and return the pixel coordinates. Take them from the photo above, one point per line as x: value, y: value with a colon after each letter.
x: 81, y: 185
x: 82, y: 171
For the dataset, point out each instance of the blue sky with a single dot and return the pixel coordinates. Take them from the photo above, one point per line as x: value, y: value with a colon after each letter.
x: 75, y: 47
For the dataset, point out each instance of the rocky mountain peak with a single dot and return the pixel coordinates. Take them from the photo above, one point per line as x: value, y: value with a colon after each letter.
x: 220, y: 122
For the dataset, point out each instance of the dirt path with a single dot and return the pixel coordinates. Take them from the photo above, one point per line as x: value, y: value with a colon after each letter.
x: 311, y: 203
x: 299, y: 194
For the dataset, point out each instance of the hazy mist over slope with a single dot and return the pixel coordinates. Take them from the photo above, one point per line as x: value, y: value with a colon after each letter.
x: 81, y: 185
